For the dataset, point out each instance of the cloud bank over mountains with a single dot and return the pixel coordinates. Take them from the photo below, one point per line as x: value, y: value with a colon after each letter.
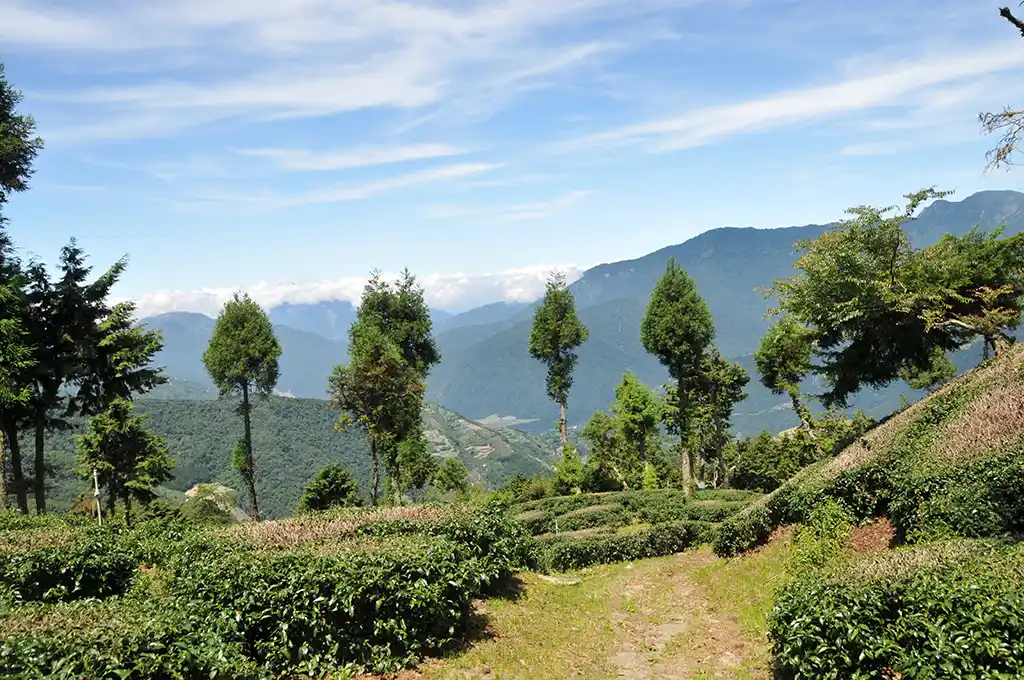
x: 450, y: 292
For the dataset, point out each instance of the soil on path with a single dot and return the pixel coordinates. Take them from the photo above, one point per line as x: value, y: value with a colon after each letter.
x: 648, y: 620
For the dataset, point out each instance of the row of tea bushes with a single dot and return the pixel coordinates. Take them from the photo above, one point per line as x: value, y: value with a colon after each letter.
x: 623, y: 508
x: 952, y: 609
x: 371, y: 590
x: 565, y: 553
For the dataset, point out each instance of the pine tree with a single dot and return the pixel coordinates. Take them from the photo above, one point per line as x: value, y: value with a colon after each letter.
x: 242, y: 360
x: 19, y: 144
x: 639, y: 413
x: 130, y: 460
x: 677, y: 329
x: 554, y: 337
x: 15, y: 360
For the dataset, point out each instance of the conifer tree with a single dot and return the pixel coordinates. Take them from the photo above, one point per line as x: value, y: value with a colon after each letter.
x: 15, y: 359
x: 130, y: 460
x: 242, y: 360
x: 554, y: 337
x: 677, y: 329
x: 19, y: 145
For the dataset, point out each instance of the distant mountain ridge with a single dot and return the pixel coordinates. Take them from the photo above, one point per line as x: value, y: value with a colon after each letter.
x: 486, y: 369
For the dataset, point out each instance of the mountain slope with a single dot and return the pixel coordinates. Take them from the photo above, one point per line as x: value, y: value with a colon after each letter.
x: 728, y: 265
x: 292, y: 440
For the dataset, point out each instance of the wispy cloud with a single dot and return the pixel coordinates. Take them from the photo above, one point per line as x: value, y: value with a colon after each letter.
x: 444, y: 291
x: 520, y: 211
x: 304, y: 159
x: 344, y: 192
x: 854, y: 94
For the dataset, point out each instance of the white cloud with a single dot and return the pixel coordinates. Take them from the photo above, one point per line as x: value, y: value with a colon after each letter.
x: 344, y: 192
x: 276, y: 59
x: 443, y: 291
x: 304, y: 159
x: 856, y: 93
x: 520, y: 211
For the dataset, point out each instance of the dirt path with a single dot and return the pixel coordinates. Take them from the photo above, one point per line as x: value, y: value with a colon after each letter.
x: 680, y: 635
x: 684, y: 617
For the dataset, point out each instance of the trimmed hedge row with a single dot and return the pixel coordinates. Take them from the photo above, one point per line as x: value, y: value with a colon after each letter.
x: 562, y: 554
x: 616, y: 509
x: 375, y: 597
x: 948, y: 610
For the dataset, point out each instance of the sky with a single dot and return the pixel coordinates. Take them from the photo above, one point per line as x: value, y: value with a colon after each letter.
x: 290, y: 147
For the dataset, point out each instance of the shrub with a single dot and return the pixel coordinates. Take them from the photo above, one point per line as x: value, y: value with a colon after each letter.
x: 163, y: 641
x: 822, y: 538
x: 96, y: 563
x: 563, y: 554
x: 947, y: 610
x: 333, y: 486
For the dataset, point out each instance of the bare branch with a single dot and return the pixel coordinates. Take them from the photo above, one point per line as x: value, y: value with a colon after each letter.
x: 1005, y: 13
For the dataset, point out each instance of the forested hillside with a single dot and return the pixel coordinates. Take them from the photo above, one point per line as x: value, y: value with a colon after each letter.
x: 293, y: 439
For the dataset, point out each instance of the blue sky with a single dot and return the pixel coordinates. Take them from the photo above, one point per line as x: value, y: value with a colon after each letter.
x: 288, y: 147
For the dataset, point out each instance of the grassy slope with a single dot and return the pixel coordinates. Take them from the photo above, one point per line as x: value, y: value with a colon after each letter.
x: 293, y: 439
x: 978, y: 417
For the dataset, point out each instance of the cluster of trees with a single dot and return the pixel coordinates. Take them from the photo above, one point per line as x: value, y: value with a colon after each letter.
x: 66, y: 351
x: 867, y: 308
x: 697, y: 404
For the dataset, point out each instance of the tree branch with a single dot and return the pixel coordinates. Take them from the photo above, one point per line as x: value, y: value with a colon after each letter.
x: 1005, y: 13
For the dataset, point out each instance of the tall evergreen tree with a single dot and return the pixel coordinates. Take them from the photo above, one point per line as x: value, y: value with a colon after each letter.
x: 554, y: 337
x: 677, y: 329
x: 400, y: 310
x: 130, y: 460
x: 15, y: 360
x: 720, y: 386
x: 242, y: 360
x: 19, y: 145
x: 378, y: 392
x: 61, y: 318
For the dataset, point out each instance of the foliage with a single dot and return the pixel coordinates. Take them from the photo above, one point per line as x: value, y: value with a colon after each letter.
x: 19, y: 144
x: 558, y: 554
x: 639, y: 412
x: 822, y: 538
x: 678, y: 330
x: 567, y: 476
x: 242, y: 359
x: 332, y: 592
x: 878, y: 307
x: 554, y: 337
x: 332, y: 487
x: 452, y: 476
x: 937, y: 470
x: 945, y: 610
x: 379, y: 392
x: 939, y: 371
x: 129, y: 459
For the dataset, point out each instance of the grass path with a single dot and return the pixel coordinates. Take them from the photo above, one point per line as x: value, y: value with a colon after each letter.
x: 684, y: 617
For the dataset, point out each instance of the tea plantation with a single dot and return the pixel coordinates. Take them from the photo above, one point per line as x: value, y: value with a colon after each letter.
x: 342, y: 591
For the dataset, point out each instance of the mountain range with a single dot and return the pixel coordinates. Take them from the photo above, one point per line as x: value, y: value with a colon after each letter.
x: 486, y: 371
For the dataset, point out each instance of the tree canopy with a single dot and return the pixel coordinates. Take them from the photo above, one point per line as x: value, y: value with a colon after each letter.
x: 554, y: 337
x: 242, y: 359
x: 332, y: 487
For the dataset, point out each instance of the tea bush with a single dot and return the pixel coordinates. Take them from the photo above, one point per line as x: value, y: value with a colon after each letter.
x: 371, y: 590
x: 952, y: 609
x: 562, y: 554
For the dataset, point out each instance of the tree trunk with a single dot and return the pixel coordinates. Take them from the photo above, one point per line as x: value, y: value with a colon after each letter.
x: 3, y: 471
x: 127, y: 500
x: 805, y: 422
x: 17, y: 475
x: 375, y: 474
x: 686, y: 462
x: 40, y: 479
x: 686, y: 467
x: 563, y: 428
x: 111, y: 500
x: 250, y: 471
x: 1000, y: 343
